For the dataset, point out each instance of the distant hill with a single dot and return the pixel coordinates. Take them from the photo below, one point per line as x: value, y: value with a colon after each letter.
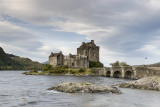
x: 12, y: 62
x: 150, y: 65
x: 7, y: 63
x: 46, y: 62
x: 154, y: 65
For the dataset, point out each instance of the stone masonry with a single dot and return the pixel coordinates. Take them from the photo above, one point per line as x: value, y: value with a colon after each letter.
x: 85, y: 53
x: 128, y: 72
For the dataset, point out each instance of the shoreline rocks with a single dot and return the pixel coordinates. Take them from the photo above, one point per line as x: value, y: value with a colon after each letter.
x: 71, y: 87
x: 148, y: 83
x: 31, y: 72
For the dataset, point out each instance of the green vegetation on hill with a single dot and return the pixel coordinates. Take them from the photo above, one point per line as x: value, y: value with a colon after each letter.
x: 27, y: 63
x: 12, y: 62
x: 6, y: 63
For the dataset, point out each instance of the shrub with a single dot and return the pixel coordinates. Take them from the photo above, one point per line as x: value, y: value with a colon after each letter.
x: 93, y: 64
x: 91, y: 71
x: 47, y: 67
x: 119, y: 64
x: 33, y: 71
x: 81, y: 70
x: 65, y: 67
x: 72, y: 71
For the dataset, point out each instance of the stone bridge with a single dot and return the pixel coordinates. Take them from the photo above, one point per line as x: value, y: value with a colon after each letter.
x: 128, y: 72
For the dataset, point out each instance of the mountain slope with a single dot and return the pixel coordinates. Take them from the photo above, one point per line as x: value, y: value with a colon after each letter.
x: 12, y: 62
x: 27, y: 63
x: 7, y: 63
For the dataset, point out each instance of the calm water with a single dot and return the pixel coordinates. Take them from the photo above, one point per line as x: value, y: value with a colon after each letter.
x: 17, y: 90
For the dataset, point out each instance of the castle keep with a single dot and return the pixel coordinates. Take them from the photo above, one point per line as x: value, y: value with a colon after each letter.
x: 85, y: 53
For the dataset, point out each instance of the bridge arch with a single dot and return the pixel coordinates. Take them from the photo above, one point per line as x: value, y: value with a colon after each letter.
x: 108, y: 74
x: 128, y: 74
x: 117, y: 74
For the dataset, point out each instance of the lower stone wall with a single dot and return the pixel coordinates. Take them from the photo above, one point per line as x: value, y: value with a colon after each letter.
x: 145, y: 72
x: 99, y: 71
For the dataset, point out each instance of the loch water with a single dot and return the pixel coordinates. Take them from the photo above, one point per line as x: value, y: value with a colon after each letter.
x: 18, y: 90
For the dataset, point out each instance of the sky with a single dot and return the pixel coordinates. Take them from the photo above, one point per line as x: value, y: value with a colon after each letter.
x: 125, y: 30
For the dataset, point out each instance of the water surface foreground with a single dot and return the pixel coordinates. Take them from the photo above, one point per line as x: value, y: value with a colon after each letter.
x: 18, y: 90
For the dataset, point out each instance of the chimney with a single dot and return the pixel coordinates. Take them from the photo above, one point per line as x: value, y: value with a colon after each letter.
x: 92, y: 41
x: 83, y: 43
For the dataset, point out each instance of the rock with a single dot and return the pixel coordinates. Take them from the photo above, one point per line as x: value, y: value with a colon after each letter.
x: 148, y: 83
x: 31, y: 72
x: 83, y: 88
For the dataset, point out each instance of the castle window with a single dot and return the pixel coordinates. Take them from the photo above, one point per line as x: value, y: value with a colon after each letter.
x: 72, y: 64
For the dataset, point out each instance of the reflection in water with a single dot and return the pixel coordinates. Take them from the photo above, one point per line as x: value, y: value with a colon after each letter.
x: 31, y: 91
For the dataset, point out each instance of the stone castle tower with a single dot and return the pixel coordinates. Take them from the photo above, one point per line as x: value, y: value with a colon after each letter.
x: 90, y: 50
x: 85, y: 53
x: 56, y: 59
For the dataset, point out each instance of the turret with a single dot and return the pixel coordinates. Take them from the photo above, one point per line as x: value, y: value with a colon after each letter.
x: 92, y: 41
x: 83, y: 43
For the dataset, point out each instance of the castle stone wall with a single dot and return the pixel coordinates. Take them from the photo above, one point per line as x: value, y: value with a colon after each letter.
x: 90, y: 50
x: 85, y: 53
x: 53, y: 61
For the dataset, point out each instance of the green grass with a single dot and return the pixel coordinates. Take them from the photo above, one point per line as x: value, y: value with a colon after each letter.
x: 50, y: 70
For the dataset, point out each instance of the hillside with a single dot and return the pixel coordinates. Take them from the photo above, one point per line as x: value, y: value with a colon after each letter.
x: 12, y: 62
x: 7, y: 63
x: 27, y: 63
x: 150, y: 65
x: 154, y: 65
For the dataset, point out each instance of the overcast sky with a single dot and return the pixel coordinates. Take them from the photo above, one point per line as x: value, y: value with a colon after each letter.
x: 125, y: 30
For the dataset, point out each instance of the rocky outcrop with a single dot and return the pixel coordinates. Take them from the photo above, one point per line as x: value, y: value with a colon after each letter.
x: 148, y: 83
x: 84, y: 88
x: 31, y: 72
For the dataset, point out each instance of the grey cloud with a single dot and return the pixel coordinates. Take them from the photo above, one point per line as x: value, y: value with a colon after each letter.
x: 136, y: 23
x: 16, y: 36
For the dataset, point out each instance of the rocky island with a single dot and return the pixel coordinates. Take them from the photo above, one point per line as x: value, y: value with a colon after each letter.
x: 72, y: 87
x: 148, y: 83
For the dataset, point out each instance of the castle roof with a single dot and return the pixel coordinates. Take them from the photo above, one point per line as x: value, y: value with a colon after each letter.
x: 54, y: 54
x: 88, y: 44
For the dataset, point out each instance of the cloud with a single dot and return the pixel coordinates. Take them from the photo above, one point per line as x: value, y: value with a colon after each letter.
x: 17, y: 36
x: 20, y: 41
x: 123, y: 28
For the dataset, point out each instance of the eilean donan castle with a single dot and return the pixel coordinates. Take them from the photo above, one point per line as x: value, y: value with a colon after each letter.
x: 85, y: 53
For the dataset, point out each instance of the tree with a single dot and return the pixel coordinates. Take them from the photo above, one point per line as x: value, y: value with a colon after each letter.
x: 93, y: 64
x: 119, y: 64
x: 115, y: 64
x: 124, y: 64
x: 47, y: 67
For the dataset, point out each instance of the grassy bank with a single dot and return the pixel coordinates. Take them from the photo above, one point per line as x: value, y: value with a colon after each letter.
x: 64, y: 70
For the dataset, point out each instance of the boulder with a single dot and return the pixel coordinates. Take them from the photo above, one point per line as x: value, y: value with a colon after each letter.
x: 84, y: 88
x: 148, y: 83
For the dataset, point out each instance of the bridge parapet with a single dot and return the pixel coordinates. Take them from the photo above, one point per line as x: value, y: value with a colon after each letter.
x: 154, y: 68
x: 128, y: 72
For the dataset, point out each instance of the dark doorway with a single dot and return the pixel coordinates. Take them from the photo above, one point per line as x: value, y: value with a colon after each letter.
x: 72, y: 64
